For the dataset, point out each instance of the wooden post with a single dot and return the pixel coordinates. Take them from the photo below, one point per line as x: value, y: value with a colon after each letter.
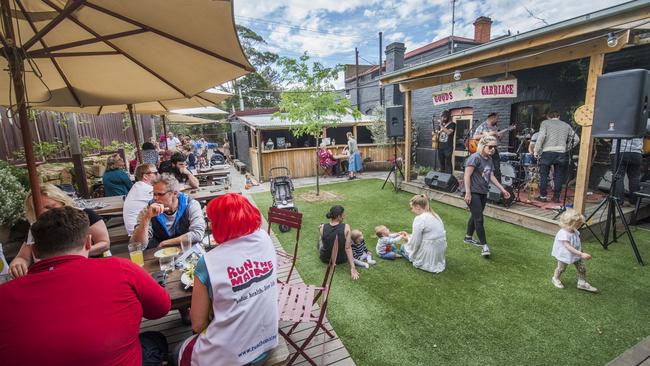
x: 407, y: 135
x: 164, y: 122
x: 77, y: 158
x: 258, y: 138
x: 138, y: 155
x: 15, y: 65
x: 586, y: 141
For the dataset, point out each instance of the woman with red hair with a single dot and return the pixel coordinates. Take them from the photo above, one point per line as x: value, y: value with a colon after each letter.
x: 234, y: 307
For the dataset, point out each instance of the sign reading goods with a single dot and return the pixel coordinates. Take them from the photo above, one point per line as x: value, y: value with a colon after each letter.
x: 476, y: 90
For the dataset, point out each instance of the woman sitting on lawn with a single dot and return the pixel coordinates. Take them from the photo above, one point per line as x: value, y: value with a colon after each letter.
x: 328, y: 234
x: 427, y: 243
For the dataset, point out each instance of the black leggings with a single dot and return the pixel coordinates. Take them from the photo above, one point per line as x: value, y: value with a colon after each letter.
x: 476, y: 207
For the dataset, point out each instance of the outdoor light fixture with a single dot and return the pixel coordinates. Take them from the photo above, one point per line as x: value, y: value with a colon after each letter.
x: 612, y: 40
x: 347, y: 93
x: 457, y: 75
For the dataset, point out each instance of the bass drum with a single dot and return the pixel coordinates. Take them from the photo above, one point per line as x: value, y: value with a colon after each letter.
x: 528, y: 159
x: 511, y: 174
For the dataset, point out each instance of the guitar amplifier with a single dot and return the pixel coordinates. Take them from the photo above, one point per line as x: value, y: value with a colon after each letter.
x: 441, y: 181
x: 494, y: 196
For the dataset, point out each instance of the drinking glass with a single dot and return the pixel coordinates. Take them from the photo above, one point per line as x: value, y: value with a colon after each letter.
x: 186, y: 245
x: 135, y: 252
x: 167, y: 263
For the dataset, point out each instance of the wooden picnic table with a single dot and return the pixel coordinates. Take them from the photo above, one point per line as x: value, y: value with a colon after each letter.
x: 213, y: 175
x: 180, y: 297
x: 114, y: 205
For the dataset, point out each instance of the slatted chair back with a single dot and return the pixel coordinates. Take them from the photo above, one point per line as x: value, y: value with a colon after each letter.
x: 292, y: 219
x: 296, y: 304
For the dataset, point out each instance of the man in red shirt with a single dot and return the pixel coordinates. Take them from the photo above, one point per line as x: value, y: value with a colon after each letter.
x: 72, y: 310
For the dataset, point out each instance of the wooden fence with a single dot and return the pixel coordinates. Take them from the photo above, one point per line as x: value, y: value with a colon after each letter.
x: 51, y: 127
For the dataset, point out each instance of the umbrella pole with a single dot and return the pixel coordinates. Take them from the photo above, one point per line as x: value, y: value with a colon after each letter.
x: 15, y: 64
x: 135, y: 134
x: 164, y: 129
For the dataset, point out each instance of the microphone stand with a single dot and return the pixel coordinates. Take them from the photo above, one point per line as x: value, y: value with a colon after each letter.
x: 569, y: 147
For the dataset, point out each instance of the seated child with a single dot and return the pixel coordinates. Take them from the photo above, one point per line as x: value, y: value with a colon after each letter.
x: 386, y: 248
x: 249, y: 182
x: 359, y: 250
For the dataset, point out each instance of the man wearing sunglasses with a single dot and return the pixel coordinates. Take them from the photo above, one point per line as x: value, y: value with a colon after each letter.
x: 139, y: 196
x: 171, y: 217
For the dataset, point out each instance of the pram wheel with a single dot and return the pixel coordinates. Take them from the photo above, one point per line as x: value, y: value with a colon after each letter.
x: 284, y: 228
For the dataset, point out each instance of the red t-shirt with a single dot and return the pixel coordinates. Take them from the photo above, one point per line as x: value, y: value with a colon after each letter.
x: 71, y: 310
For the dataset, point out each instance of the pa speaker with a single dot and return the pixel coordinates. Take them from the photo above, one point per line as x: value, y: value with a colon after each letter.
x: 621, y: 108
x: 395, y: 121
x: 441, y: 181
x: 495, y: 196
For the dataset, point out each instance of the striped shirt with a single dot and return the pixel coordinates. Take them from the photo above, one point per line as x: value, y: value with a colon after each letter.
x: 629, y: 145
x: 555, y: 136
x: 359, y: 249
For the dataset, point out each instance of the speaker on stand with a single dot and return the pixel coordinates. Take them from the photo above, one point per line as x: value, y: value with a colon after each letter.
x: 620, y: 112
x: 394, y: 129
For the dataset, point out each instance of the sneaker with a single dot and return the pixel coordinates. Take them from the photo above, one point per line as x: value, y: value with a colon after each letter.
x: 372, y: 261
x: 541, y: 198
x: 556, y: 282
x: 468, y: 240
x: 486, y: 251
x: 587, y: 287
x: 397, y: 255
x: 364, y: 265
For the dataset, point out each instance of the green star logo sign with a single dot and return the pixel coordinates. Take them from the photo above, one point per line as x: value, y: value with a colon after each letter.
x: 469, y: 91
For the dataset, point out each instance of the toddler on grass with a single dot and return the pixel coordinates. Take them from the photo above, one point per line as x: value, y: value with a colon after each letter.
x: 567, y: 249
x: 360, y: 252
x: 386, y: 248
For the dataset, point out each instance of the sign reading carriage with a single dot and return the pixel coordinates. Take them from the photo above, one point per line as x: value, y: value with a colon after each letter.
x: 476, y: 90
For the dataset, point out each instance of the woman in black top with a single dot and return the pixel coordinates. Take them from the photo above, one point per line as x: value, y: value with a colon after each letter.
x: 329, y: 232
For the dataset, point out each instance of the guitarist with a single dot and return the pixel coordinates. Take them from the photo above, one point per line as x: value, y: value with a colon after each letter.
x: 489, y: 128
x: 446, y: 141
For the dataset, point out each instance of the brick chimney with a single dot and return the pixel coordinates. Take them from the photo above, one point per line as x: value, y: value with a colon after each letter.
x: 394, y: 61
x: 482, y: 28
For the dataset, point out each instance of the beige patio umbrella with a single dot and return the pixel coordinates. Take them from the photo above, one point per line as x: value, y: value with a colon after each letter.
x: 190, y: 120
x: 111, y: 52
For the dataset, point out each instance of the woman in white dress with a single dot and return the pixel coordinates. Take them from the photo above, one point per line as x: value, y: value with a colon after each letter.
x: 427, y: 244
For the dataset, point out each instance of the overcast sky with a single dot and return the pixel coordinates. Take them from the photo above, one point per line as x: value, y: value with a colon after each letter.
x: 330, y: 30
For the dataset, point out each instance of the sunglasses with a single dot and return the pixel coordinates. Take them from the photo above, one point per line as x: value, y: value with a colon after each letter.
x: 151, y: 173
x: 158, y: 194
x: 491, y: 147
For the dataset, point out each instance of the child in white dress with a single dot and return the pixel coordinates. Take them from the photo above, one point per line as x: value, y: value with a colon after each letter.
x: 567, y: 249
x: 427, y: 244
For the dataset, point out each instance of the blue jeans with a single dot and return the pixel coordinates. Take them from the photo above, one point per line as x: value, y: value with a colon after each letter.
x: 559, y: 162
x: 390, y: 255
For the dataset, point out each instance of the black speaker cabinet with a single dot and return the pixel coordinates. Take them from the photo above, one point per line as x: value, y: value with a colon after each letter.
x: 441, y: 181
x: 395, y: 121
x: 494, y: 196
x: 621, y: 108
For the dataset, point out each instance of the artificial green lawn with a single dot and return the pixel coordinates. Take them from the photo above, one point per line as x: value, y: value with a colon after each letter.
x: 498, y: 311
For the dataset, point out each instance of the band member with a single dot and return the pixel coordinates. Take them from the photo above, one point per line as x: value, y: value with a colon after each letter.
x: 446, y: 141
x: 556, y: 137
x: 479, y: 173
x: 630, y: 163
x: 489, y: 128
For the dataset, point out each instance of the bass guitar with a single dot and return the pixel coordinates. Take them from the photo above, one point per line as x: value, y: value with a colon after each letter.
x: 472, y: 144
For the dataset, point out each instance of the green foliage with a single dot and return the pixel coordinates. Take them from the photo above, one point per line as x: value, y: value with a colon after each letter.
x: 378, y: 126
x: 422, y: 170
x: 312, y: 102
x: 498, y: 311
x: 43, y: 150
x: 12, y: 196
x: 115, y: 145
x: 90, y: 145
x: 18, y: 172
x: 264, y: 78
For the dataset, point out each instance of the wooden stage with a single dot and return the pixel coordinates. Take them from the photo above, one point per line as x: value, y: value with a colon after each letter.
x: 330, y: 350
x: 520, y: 214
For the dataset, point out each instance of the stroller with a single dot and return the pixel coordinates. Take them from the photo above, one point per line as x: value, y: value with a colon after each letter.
x: 281, y: 188
x: 217, y: 158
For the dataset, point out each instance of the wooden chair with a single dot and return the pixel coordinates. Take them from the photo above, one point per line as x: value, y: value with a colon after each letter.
x: 296, y: 304
x: 287, y: 218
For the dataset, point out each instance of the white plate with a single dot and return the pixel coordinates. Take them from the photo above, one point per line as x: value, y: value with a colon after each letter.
x: 185, y: 280
x: 167, y: 252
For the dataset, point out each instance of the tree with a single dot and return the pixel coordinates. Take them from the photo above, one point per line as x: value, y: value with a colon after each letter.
x: 311, y: 102
x: 264, y: 78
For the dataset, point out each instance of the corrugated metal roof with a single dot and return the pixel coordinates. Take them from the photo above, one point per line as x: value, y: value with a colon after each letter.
x: 267, y: 122
x: 553, y: 28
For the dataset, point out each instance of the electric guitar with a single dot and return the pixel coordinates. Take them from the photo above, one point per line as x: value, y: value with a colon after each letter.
x: 472, y: 144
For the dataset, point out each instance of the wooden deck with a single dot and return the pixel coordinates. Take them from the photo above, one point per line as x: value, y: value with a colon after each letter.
x: 639, y: 355
x: 521, y: 214
x: 330, y: 350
